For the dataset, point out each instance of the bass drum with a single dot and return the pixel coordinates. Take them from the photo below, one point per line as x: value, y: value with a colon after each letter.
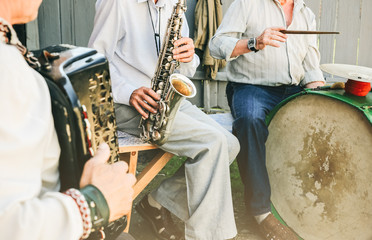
x: 319, y: 160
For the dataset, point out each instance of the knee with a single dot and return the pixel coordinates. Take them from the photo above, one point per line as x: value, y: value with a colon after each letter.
x: 226, y: 141
x: 233, y: 147
x: 218, y: 139
x: 249, y: 120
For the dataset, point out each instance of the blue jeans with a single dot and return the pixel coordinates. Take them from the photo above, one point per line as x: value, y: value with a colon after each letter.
x: 249, y: 106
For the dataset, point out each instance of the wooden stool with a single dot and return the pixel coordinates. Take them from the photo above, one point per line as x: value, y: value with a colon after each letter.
x: 129, y: 146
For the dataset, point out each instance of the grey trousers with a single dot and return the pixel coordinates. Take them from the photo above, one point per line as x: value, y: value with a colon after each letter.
x: 201, y: 194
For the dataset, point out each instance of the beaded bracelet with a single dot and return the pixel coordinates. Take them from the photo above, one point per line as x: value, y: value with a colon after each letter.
x: 84, y: 210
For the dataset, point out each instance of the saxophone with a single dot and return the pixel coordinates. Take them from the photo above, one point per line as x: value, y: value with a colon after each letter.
x: 171, y: 87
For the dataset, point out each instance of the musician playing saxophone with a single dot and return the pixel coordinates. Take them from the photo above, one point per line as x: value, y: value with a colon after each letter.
x: 130, y: 34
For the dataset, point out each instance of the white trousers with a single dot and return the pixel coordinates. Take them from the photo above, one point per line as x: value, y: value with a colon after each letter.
x: 200, y: 193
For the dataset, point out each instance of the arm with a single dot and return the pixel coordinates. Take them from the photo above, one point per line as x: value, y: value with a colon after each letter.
x: 29, y: 154
x: 269, y: 37
x: 313, y: 75
x: 30, y: 205
x: 228, y: 43
x: 145, y: 98
x: 229, y: 33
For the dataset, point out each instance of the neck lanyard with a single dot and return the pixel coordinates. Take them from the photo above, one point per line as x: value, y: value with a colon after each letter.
x: 156, y: 34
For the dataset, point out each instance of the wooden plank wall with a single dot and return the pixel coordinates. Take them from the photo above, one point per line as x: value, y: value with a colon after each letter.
x: 62, y: 21
x: 71, y: 22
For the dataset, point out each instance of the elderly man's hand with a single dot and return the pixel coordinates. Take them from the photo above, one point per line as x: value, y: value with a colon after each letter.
x: 271, y: 37
x: 112, y: 180
x: 315, y: 84
x: 184, y: 50
x: 144, y: 98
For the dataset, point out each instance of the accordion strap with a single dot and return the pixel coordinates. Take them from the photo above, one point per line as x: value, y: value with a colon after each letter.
x: 9, y: 36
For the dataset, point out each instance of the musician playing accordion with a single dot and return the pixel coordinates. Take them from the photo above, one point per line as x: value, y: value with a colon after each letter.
x: 31, y: 206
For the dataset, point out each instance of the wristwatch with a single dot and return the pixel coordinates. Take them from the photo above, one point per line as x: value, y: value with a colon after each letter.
x: 252, y: 45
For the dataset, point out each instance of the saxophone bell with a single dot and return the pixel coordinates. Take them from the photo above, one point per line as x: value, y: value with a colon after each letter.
x: 181, y: 87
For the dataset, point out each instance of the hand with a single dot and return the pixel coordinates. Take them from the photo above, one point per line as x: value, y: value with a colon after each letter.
x: 112, y: 180
x: 184, y: 50
x: 270, y: 37
x: 315, y: 84
x: 144, y: 98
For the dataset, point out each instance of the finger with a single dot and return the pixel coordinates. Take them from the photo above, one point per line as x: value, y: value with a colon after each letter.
x: 183, y: 55
x: 139, y: 109
x: 183, y: 48
x: 186, y: 60
x: 183, y: 41
x: 151, y: 93
x: 131, y: 179
x: 272, y: 43
x: 278, y: 38
x: 277, y: 28
x: 102, y: 154
x: 150, y: 101
x: 280, y: 34
x: 147, y: 107
x: 121, y: 165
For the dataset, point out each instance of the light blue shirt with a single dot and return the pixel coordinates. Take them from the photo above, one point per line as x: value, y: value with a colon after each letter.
x: 124, y: 33
x: 295, y: 62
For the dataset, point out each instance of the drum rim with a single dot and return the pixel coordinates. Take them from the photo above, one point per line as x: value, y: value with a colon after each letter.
x: 363, y: 104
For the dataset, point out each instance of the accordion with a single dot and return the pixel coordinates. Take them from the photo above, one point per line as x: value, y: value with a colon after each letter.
x: 83, y: 111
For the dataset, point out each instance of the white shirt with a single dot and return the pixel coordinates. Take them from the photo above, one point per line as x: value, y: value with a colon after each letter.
x: 295, y: 62
x: 30, y: 205
x: 123, y: 32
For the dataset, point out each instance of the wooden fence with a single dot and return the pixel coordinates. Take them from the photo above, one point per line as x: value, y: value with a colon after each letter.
x: 71, y: 21
x: 353, y: 19
x: 61, y: 21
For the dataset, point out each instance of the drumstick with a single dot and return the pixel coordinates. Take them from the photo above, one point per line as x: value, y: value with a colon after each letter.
x: 306, y: 32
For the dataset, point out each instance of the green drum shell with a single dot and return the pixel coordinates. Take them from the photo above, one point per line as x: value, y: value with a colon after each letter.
x: 319, y: 163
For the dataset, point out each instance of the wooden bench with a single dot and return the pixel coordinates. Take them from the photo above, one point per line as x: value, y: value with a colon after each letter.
x: 130, y: 146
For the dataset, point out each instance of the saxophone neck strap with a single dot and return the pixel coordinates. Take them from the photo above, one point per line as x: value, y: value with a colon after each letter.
x: 156, y: 34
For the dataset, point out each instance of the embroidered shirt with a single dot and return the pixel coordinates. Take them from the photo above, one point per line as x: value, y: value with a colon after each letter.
x: 30, y: 205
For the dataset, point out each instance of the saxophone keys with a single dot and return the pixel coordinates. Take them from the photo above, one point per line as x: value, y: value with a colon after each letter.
x: 145, y: 136
x: 161, y: 85
x: 159, y: 92
x: 164, y: 123
x: 167, y: 66
x: 152, y: 117
x: 155, y: 135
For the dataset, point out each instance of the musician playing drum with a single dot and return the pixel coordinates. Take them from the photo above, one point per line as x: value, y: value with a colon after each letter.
x: 30, y: 205
x: 264, y: 67
x: 130, y: 34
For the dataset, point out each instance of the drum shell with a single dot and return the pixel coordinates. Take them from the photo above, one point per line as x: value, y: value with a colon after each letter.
x: 319, y: 164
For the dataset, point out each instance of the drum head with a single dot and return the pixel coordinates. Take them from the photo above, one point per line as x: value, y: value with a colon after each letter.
x: 319, y: 160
